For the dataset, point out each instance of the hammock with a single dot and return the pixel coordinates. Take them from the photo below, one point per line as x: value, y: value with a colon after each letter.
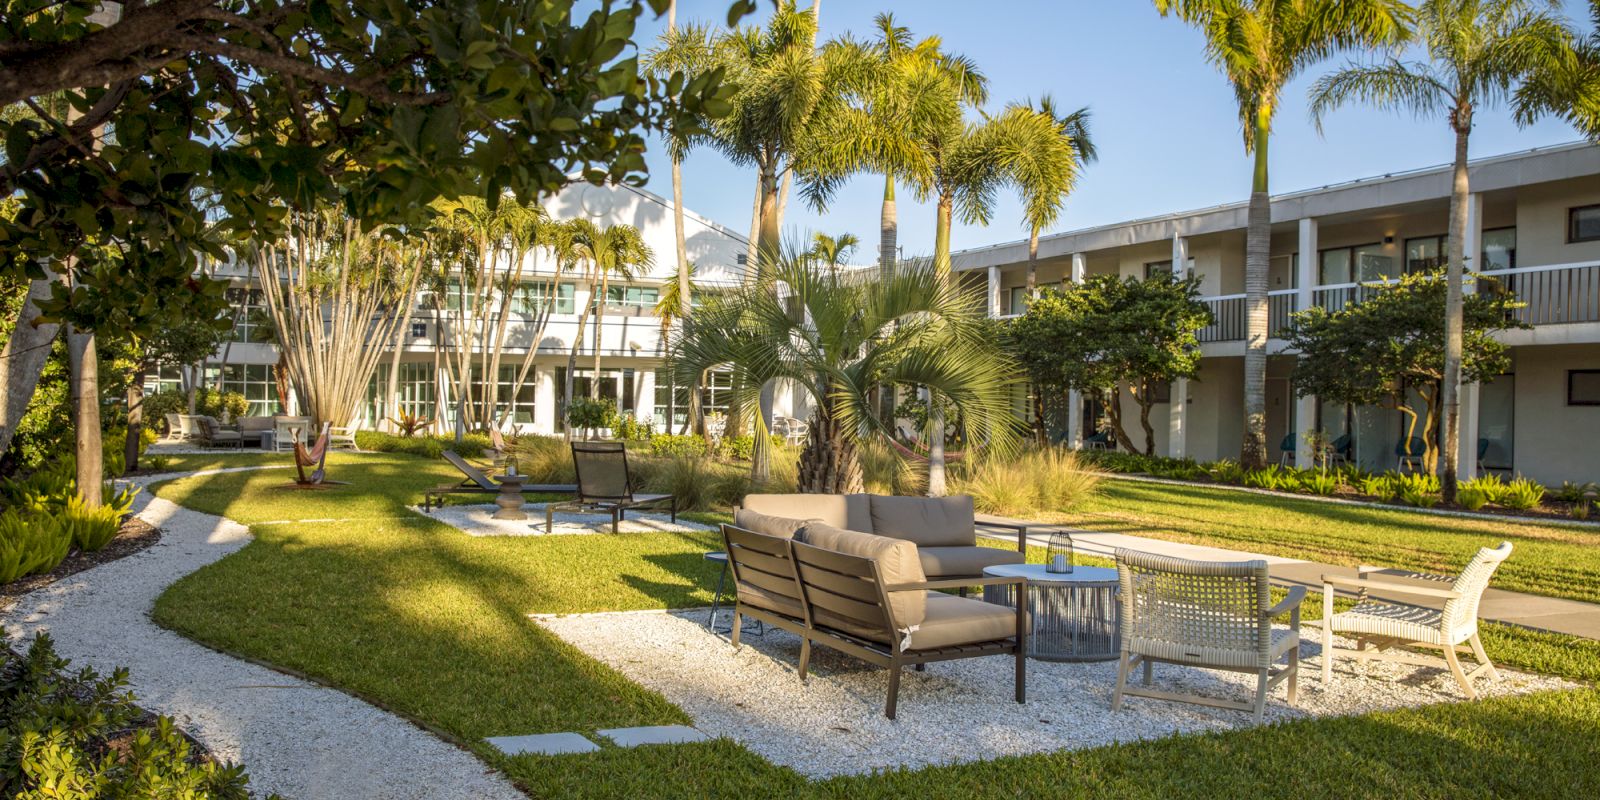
x: 906, y: 452
x: 317, y: 457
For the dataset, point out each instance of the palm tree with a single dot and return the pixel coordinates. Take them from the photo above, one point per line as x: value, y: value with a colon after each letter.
x: 1260, y: 45
x: 1571, y: 92
x: 1477, y: 50
x: 833, y: 251
x: 1046, y: 169
x: 617, y: 251
x: 853, y: 337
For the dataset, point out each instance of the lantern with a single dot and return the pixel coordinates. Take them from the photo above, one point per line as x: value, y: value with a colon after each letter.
x: 1059, y: 556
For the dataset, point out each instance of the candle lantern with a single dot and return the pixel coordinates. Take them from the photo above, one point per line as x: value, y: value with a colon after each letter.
x: 1059, y: 557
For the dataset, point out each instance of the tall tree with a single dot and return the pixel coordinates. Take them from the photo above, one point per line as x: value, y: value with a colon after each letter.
x: 618, y: 252
x: 1478, y: 51
x: 1572, y: 91
x: 833, y: 252
x: 1046, y: 171
x: 1260, y: 45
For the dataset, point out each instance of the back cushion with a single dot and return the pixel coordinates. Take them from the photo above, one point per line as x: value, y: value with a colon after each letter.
x: 926, y: 521
x: 783, y: 527
x: 897, y: 563
x: 841, y: 511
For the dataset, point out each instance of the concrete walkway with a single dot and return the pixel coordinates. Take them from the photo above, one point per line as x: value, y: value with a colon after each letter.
x: 297, y: 738
x: 1513, y: 608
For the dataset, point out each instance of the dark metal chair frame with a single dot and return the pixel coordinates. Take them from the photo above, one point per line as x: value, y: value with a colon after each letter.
x: 617, y: 505
x: 476, y: 482
x: 851, y: 587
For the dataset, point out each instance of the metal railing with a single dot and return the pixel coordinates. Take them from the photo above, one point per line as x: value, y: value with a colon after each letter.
x: 1231, y: 321
x: 1554, y: 294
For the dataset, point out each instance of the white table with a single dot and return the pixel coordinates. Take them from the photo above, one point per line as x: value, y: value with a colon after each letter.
x: 1075, y: 614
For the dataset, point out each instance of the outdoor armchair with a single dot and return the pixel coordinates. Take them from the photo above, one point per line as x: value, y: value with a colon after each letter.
x: 174, y: 429
x: 606, y: 486
x: 1388, y: 623
x: 213, y: 434
x: 288, y: 430
x: 1212, y: 615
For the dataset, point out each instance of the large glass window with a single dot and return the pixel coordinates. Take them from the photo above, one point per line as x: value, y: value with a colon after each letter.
x: 254, y: 381
x: 532, y: 296
x: 714, y: 398
x: 417, y: 387
x: 643, y: 296
x: 617, y: 385
x: 1019, y: 296
x: 1499, y: 249
x: 164, y: 379
x: 246, y: 304
x: 1154, y: 268
x: 1425, y: 253
x: 518, y: 410
x: 1355, y: 264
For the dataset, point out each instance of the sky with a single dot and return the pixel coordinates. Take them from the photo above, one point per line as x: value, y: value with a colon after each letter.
x: 1164, y: 120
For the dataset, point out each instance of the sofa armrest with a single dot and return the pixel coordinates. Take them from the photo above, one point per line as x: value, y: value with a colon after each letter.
x: 952, y: 583
x: 1366, y: 585
x: 1020, y: 528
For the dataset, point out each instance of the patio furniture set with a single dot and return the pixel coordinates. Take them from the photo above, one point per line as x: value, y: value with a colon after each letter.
x: 278, y: 433
x: 868, y: 575
x: 605, y: 486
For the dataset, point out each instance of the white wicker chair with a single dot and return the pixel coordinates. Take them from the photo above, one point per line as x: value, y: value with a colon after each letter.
x: 1387, y: 623
x: 1213, y: 615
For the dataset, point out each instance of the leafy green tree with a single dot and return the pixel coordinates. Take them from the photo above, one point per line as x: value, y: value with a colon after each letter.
x: 1047, y: 170
x: 1109, y: 332
x: 1261, y: 45
x: 1572, y: 91
x: 189, y: 342
x: 833, y: 252
x: 1478, y: 51
x: 1374, y: 352
x: 840, y: 338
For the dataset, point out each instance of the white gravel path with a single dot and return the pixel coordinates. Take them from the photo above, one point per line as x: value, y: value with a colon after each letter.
x: 956, y: 711
x: 296, y: 738
x: 478, y: 520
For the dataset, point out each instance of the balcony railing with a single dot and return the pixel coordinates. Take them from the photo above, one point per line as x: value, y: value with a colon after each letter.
x: 1552, y: 295
x: 1231, y: 320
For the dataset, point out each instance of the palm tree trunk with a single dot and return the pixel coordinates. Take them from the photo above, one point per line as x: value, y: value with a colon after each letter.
x: 1033, y: 263
x: 85, y: 368
x: 829, y: 462
x: 1258, y: 247
x: 767, y: 234
x: 23, y: 359
x: 937, y: 484
x: 130, y: 447
x: 599, y: 333
x: 1450, y: 391
x: 572, y: 358
x: 888, y: 226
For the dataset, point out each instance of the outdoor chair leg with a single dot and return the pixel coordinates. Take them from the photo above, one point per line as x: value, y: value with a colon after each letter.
x: 1261, y: 693
x: 733, y: 633
x: 1483, y: 658
x: 549, y: 517
x: 616, y: 523
x: 1327, y: 636
x: 1022, y: 673
x: 1461, y: 677
x: 894, y: 688
x: 674, y: 510
x: 805, y: 657
x: 1122, y: 682
x: 1294, y: 675
x: 921, y: 667
x: 1149, y: 671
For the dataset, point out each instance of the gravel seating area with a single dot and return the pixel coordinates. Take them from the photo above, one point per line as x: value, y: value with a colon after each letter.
x: 477, y: 520
x: 956, y: 711
x: 296, y: 738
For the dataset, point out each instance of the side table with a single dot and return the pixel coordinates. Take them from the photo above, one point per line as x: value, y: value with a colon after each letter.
x: 1075, y: 614
x: 510, y: 497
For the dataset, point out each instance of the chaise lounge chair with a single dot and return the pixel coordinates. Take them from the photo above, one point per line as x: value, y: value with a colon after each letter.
x: 476, y: 482
x: 606, y: 486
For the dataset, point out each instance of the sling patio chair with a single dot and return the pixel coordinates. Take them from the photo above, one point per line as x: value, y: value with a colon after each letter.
x: 1212, y: 615
x: 605, y: 486
x: 475, y: 482
x: 1385, y: 623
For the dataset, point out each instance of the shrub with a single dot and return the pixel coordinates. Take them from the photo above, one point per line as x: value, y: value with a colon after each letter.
x: 226, y: 406
x: 1272, y: 476
x: 93, y: 528
x: 1574, y: 492
x: 30, y: 543
x: 1181, y: 469
x: 1489, y: 486
x: 669, y: 445
x: 1381, y: 487
x: 472, y: 445
x: 80, y: 735
x: 1522, y: 494
x: 586, y: 414
x: 544, y: 459
x: 410, y: 424
x: 1048, y: 480
x: 628, y: 428
x: 157, y: 462
x: 157, y: 406
x: 885, y: 471
x: 686, y: 478
x: 1416, y: 489
x: 1471, y: 498
x: 1320, y: 482
x: 741, y: 448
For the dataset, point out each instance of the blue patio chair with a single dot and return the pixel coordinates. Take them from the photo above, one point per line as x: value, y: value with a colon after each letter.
x: 1410, y: 453
x: 1099, y: 441
x: 1286, y: 457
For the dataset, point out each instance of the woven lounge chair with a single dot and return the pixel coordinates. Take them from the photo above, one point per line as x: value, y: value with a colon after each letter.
x: 475, y: 482
x: 286, y: 431
x: 605, y: 485
x: 1387, y: 623
x: 1212, y: 615
x: 174, y: 429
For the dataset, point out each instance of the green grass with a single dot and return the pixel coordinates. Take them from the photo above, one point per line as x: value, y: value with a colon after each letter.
x: 1553, y: 560
x: 433, y: 624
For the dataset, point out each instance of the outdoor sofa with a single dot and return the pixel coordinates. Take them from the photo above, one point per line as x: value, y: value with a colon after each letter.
x: 944, y: 529
x: 866, y: 596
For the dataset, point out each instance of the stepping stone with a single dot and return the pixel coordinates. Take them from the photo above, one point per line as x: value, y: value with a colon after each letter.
x: 653, y: 734
x: 545, y: 744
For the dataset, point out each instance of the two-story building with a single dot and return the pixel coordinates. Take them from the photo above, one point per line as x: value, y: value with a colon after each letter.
x: 1533, y: 224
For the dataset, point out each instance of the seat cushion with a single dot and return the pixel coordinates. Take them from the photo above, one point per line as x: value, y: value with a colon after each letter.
x: 897, y: 563
x: 963, y: 562
x: 925, y: 521
x: 750, y: 594
x: 848, y: 511
x: 1411, y: 623
x: 952, y: 621
x: 782, y: 527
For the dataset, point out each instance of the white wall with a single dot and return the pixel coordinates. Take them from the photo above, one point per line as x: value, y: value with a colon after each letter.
x: 1555, y: 442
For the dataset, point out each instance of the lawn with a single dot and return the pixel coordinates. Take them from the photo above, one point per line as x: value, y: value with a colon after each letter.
x: 350, y: 588
x: 1554, y: 560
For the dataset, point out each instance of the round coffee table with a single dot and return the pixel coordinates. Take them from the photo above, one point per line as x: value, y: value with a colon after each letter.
x: 1075, y: 614
x: 510, y: 497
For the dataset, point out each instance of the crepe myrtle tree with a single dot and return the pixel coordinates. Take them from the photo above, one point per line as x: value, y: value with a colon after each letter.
x: 185, y: 112
x: 1109, y: 332
x: 1391, y: 345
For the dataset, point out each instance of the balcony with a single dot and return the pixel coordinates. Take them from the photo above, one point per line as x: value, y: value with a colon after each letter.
x: 1231, y: 319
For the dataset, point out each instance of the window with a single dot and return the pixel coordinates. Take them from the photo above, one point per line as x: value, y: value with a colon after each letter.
x: 248, y: 306
x: 616, y: 385
x: 532, y: 296
x: 417, y: 389
x: 254, y: 381
x: 419, y: 330
x: 1019, y: 296
x: 1499, y: 249
x: 518, y: 411
x: 1158, y: 391
x: 1152, y: 268
x: 642, y: 296
x: 1425, y: 253
x: 1364, y: 262
x: 167, y: 378
x: 714, y: 397
x: 1583, y: 387
x: 1583, y: 224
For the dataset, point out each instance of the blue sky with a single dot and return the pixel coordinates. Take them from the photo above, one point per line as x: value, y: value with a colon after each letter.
x: 1164, y: 120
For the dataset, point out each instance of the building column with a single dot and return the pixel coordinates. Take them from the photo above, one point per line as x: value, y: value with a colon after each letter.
x: 1080, y: 265
x: 1075, y: 419
x: 1305, y: 408
x: 1178, y: 409
x: 1467, y: 427
x: 545, y: 400
x: 994, y: 292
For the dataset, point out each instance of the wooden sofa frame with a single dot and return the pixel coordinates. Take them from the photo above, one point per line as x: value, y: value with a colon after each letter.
x: 851, y: 587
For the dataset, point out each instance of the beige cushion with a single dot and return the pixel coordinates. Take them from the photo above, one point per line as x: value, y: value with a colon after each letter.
x: 848, y: 511
x: 925, y: 521
x: 761, y: 598
x: 952, y: 621
x: 897, y: 563
x: 782, y: 527
x: 939, y: 563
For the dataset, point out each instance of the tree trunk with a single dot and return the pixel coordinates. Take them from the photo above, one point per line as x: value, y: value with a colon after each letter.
x: 1033, y: 263
x: 86, y: 415
x: 753, y: 248
x: 572, y: 360
x: 1114, y: 415
x: 767, y: 242
x: 599, y: 333
x: 829, y: 462
x: 130, y: 450
x: 941, y: 266
x: 23, y: 359
x: 888, y: 227
x: 1450, y: 390
x: 1258, y: 247
x: 1142, y: 396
